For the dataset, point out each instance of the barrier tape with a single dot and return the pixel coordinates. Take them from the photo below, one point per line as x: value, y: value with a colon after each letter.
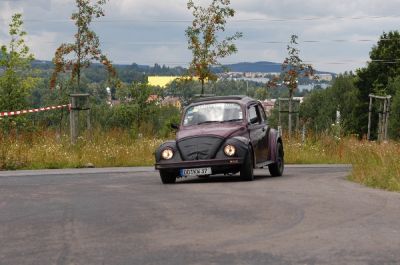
x: 19, y: 112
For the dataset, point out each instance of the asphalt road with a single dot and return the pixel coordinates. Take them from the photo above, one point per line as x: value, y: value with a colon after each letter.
x: 311, y: 215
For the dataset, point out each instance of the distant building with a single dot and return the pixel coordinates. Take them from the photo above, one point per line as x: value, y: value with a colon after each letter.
x: 172, y: 101
x: 161, y: 81
x: 258, y: 77
x: 301, y: 99
x: 322, y: 77
x: 268, y: 105
x: 164, y: 81
x: 167, y: 101
x: 110, y: 101
x: 152, y: 98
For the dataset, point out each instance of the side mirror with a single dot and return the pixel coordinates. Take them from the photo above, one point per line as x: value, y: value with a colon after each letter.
x: 174, y: 126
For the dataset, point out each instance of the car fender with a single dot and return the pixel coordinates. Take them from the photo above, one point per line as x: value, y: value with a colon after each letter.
x: 168, y: 144
x: 273, y: 140
x: 241, y: 144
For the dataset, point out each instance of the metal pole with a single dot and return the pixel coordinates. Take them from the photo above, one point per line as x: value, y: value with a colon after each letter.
x: 369, y: 118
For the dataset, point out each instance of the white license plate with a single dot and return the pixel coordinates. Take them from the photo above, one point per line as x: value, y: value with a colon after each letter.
x: 196, y: 171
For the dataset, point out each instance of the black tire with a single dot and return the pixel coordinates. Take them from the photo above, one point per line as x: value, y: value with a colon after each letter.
x: 167, y: 177
x: 276, y: 169
x: 247, y: 170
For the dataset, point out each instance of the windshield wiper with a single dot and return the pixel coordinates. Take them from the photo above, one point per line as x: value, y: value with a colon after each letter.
x: 204, y: 122
x: 232, y: 120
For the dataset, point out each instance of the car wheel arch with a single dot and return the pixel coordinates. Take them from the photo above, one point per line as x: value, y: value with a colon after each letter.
x: 274, y: 139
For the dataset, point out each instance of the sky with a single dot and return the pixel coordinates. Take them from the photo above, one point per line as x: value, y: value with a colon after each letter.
x: 334, y: 36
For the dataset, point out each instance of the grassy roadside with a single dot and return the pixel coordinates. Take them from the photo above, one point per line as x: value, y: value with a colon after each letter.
x: 112, y: 149
x: 375, y: 165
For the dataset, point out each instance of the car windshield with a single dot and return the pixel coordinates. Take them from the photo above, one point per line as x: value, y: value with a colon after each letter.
x: 213, y: 112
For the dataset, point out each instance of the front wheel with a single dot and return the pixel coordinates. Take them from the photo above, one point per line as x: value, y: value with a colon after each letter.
x: 246, y: 172
x: 167, y: 177
x: 276, y: 169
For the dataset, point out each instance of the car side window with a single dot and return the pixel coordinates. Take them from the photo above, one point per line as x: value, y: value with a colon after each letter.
x: 253, y: 117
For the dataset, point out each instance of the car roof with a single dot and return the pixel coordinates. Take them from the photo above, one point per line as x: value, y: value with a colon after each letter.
x: 240, y: 98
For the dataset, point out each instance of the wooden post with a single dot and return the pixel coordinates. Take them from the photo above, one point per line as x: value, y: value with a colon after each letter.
x: 369, y: 118
x: 380, y: 122
x: 73, y: 120
x: 79, y: 102
x: 384, y: 110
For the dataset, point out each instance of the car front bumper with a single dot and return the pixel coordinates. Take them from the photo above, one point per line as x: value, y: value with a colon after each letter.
x: 215, y: 164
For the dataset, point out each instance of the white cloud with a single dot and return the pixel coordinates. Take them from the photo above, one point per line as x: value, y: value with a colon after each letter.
x: 166, y: 9
x: 130, y: 24
x: 6, y: 12
x: 43, y: 45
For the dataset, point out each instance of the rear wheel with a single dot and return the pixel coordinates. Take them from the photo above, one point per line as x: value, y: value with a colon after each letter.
x: 276, y: 169
x: 167, y: 177
x: 246, y: 172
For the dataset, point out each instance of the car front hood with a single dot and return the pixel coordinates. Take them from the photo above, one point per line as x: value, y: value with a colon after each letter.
x: 223, y: 130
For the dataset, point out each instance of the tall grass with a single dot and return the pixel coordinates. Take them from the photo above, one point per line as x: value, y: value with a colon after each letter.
x: 374, y: 164
x: 104, y: 149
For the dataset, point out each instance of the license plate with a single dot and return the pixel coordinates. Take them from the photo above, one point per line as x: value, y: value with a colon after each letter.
x: 196, y: 171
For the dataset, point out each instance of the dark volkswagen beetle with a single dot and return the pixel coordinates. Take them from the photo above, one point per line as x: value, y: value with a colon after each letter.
x: 221, y: 135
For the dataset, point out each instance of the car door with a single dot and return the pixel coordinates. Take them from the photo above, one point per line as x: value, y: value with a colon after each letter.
x: 257, y: 132
x: 264, y: 145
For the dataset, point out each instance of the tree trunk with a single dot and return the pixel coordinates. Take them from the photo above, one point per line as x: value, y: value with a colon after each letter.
x: 202, y: 87
x: 79, y: 52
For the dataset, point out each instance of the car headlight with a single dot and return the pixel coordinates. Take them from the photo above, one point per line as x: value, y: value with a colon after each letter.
x: 167, y: 153
x: 229, y: 150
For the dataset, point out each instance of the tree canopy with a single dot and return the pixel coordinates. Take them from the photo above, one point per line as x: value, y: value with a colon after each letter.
x: 86, y: 47
x: 203, y: 40
x: 15, y: 59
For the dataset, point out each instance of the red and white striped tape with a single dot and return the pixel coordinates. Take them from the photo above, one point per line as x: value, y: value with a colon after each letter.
x: 19, y: 112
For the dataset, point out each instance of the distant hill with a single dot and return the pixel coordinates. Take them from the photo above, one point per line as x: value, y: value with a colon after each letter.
x: 135, y: 72
x: 259, y: 67
x: 262, y: 67
x: 126, y: 72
